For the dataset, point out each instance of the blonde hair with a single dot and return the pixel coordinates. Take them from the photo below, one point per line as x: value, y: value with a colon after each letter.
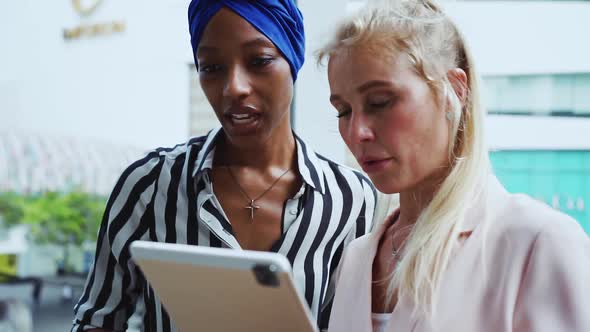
x: 420, y: 30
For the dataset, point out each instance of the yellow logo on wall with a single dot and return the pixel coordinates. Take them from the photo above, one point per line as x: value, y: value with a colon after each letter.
x: 86, y: 8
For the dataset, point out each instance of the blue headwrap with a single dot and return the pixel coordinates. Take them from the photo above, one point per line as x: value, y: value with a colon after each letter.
x: 279, y: 20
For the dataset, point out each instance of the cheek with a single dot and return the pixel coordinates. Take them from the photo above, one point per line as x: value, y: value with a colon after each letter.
x: 396, y: 130
x: 276, y: 90
x: 440, y: 145
x: 407, y: 139
x: 428, y: 148
x: 212, y: 92
x: 285, y: 95
x: 282, y: 76
x: 435, y: 135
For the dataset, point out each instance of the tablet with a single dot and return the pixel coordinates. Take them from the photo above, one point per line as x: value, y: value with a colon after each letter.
x: 217, y: 289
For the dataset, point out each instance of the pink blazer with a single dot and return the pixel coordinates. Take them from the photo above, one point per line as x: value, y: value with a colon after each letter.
x: 533, y: 274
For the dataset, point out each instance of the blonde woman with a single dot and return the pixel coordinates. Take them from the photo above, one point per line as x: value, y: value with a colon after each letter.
x: 460, y: 254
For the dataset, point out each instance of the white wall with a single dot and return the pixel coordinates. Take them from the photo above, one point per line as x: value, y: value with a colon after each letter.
x: 537, y: 133
x: 526, y: 37
x: 130, y: 88
x: 315, y: 118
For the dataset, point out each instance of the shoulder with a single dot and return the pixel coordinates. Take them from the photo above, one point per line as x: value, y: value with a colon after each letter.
x: 335, y: 175
x: 550, y: 229
x: 154, y: 162
x: 553, y: 262
x: 179, y: 151
x: 345, y: 173
x: 339, y: 168
x: 526, y: 226
x: 522, y: 216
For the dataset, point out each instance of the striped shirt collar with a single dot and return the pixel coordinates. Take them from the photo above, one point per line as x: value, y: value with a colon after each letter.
x: 307, y: 160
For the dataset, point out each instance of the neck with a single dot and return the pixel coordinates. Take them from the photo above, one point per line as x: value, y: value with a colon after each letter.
x: 414, y: 201
x: 278, y: 151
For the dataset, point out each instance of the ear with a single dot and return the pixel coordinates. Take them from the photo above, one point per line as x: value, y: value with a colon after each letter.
x: 458, y: 79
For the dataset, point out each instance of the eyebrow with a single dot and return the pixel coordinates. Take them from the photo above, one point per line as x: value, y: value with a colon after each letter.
x: 364, y: 87
x: 263, y: 42
x: 373, y: 84
x: 256, y: 42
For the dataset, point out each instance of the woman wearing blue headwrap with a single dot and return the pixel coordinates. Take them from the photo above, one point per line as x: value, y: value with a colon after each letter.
x: 251, y: 184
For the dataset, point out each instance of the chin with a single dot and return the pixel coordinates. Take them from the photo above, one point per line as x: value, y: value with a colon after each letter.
x: 386, y: 184
x: 389, y: 190
x: 245, y: 141
x: 247, y: 137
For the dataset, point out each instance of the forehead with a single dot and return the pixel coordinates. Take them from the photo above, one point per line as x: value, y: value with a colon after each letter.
x: 228, y: 29
x: 358, y: 64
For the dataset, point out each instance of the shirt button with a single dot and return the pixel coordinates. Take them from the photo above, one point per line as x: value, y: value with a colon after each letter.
x: 293, y: 212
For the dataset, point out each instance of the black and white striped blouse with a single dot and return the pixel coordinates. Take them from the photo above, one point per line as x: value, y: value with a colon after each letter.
x: 167, y: 197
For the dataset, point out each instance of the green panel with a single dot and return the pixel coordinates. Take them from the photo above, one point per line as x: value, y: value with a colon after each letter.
x: 542, y: 185
x: 558, y: 178
x: 570, y: 160
x: 585, y: 203
x: 518, y: 181
x: 586, y: 163
x: 544, y: 160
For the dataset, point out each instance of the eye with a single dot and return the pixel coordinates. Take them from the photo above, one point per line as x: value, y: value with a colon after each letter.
x: 262, y: 61
x: 209, y: 68
x: 343, y: 112
x: 379, y: 102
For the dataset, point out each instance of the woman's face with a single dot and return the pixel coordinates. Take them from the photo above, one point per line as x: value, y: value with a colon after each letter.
x: 389, y: 118
x: 245, y: 78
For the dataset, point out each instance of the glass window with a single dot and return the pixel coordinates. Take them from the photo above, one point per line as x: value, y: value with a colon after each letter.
x: 560, y: 179
x: 549, y: 95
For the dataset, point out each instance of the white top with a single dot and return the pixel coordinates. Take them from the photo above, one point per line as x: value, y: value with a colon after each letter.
x: 380, y: 321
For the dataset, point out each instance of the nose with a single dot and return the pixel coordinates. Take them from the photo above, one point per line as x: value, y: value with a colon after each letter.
x: 237, y: 83
x: 360, y: 128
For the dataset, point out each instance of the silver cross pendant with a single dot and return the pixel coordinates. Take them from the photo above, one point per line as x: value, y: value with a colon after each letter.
x: 252, y: 207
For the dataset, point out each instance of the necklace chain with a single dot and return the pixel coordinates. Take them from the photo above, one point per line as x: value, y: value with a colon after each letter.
x: 252, y: 201
x: 396, y: 252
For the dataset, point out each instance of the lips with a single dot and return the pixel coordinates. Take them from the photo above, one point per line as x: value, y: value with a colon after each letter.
x: 375, y: 164
x: 243, y: 119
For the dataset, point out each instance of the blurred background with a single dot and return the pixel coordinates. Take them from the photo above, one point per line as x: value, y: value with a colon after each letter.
x: 86, y: 87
